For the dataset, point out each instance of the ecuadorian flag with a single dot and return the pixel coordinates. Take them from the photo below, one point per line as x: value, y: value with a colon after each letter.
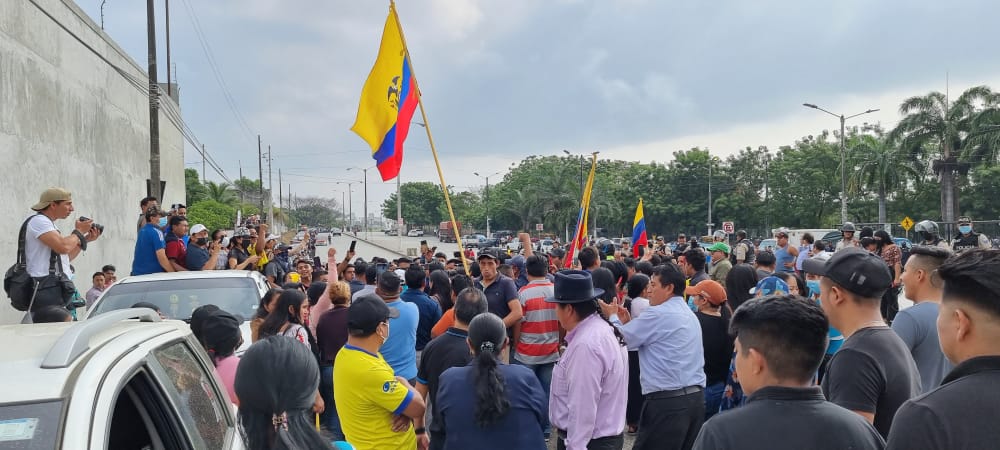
x: 639, y: 238
x: 388, y: 101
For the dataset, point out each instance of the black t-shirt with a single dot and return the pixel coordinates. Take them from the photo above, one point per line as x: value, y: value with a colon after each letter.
x: 872, y: 372
x: 778, y: 418
x: 718, y: 346
x: 240, y: 255
x: 962, y: 413
x: 331, y: 333
x: 442, y: 353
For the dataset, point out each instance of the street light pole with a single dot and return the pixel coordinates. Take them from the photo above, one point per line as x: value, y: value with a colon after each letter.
x: 365, y: 170
x: 710, y: 196
x: 487, y: 177
x: 843, y: 155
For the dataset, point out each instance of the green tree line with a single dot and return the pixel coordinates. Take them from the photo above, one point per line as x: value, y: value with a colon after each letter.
x: 939, y: 162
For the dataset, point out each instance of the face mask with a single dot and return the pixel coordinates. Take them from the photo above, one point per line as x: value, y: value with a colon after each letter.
x: 813, y: 287
x: 965, y: 229
x: 163, y: 222
x: 202, y: 241
x: 691, y: 304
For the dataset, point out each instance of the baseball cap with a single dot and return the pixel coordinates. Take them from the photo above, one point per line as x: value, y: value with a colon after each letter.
x: 488, y: 254
x: 782, y: 232
x: 198, y: 228
x: 719, y: 247
x: 50, y: 195
x: 712, y: 290
x: 367, y: 312
x: 517, y: 261
x: 965, y: 219
x: 220, y: 330
x: 770, y: 286
x: 557, y: 253
x: 272, y: 237
x: 854, y: 269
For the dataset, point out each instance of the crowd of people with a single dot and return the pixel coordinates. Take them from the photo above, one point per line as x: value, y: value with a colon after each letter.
x: 705, y: 346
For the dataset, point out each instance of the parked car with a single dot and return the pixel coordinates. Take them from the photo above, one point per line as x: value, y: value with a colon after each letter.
x: 321, y: 241
x: 112, y: 382
x: 177, y: 294
x: 768, y: 244
x: 416, y: 232
x: 336, y: 231
x: 391, y: 232
x: 545, y: 245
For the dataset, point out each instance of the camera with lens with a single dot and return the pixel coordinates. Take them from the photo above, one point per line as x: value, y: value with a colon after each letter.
x: 95, y: 225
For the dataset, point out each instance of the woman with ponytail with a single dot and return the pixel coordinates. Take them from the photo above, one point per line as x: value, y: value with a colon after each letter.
x: 489, y: 404
x: 276, y: 383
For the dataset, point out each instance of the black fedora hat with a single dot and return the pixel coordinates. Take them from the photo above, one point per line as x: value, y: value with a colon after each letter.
x: 574, y: 286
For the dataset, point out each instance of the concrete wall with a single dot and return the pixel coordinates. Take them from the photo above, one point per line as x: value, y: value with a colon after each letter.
x: 68, y: 118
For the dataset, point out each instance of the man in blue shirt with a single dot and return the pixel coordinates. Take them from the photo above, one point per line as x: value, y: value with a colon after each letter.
x: 399, y: 349
x: 150, y: 248
x: 430, y: 311
x: 667, y: 336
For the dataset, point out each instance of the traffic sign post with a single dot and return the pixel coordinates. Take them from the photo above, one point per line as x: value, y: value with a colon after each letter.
x: 539, y: 227
x: 728, y: 227
x: 907, y: 223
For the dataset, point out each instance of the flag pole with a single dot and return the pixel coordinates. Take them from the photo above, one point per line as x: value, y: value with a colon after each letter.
x: 430, y: 137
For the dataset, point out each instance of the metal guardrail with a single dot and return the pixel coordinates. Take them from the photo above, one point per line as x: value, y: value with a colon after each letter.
x: 76, y: 339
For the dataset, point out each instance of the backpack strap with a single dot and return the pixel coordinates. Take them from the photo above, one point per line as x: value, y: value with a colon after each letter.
x: 21, y: 259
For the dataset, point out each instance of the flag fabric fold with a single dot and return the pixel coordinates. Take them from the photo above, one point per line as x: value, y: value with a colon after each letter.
x: 580, y: 237
x: 388, y: 101
x: 639, y: 237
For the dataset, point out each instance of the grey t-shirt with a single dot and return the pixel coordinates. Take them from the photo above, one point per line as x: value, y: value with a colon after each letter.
x: 917, y: 327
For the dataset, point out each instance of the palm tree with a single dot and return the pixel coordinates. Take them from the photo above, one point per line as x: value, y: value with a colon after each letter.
x: 881, y: 167
x: 221, y: 192
x: 932, y: 124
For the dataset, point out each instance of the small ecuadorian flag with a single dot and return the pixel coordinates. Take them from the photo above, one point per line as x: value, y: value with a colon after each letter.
x: 388, y: 101
x: 639, y: 238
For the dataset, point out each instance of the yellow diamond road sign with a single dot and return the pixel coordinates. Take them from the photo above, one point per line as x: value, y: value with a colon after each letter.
x: 907, y: 223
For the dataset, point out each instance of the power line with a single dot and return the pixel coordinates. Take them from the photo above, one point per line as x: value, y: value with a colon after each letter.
x: 210, y: 56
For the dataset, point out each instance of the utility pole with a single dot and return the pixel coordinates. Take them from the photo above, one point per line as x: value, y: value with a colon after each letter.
x: 154, y: 103
x: 280, y: 194
x: 241, y: 180
x: 843, y: 172
x: 260, y: 174
x: 202, y: 163
x: 166, y: 8
x: 270, y: 188
x: 366, y: 202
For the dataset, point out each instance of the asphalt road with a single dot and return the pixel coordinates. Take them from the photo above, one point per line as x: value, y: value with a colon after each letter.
x: 378, y: 244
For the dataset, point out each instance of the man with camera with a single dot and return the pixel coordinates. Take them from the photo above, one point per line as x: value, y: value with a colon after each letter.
x: 47, y: 253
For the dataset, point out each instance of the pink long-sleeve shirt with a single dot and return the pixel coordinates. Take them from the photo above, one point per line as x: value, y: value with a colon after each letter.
x: 590, y: 384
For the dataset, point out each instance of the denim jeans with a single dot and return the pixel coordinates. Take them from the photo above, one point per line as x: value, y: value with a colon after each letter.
x: 329, y: 419
x: 713, y: 398
x: 544, y: 374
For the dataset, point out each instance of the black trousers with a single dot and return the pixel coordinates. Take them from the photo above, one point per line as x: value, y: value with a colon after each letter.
x: 671, y: 422
x: 604, y: 443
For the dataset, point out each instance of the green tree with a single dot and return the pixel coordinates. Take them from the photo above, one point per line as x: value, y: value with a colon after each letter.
x: 221, y: 192
x: 212, y: 214
x: 878, y: 165
x: 194, y: 190
x: 422, y: 202
x: 933, y: 127
x: 804, y: 184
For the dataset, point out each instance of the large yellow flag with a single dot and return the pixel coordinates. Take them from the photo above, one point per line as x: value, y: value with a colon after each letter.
x: 388, y: 101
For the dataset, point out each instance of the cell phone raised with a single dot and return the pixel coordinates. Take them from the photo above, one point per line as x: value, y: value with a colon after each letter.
x: 353, y: 243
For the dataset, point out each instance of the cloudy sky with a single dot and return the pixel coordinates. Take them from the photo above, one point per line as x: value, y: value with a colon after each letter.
x: 504, y: 79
